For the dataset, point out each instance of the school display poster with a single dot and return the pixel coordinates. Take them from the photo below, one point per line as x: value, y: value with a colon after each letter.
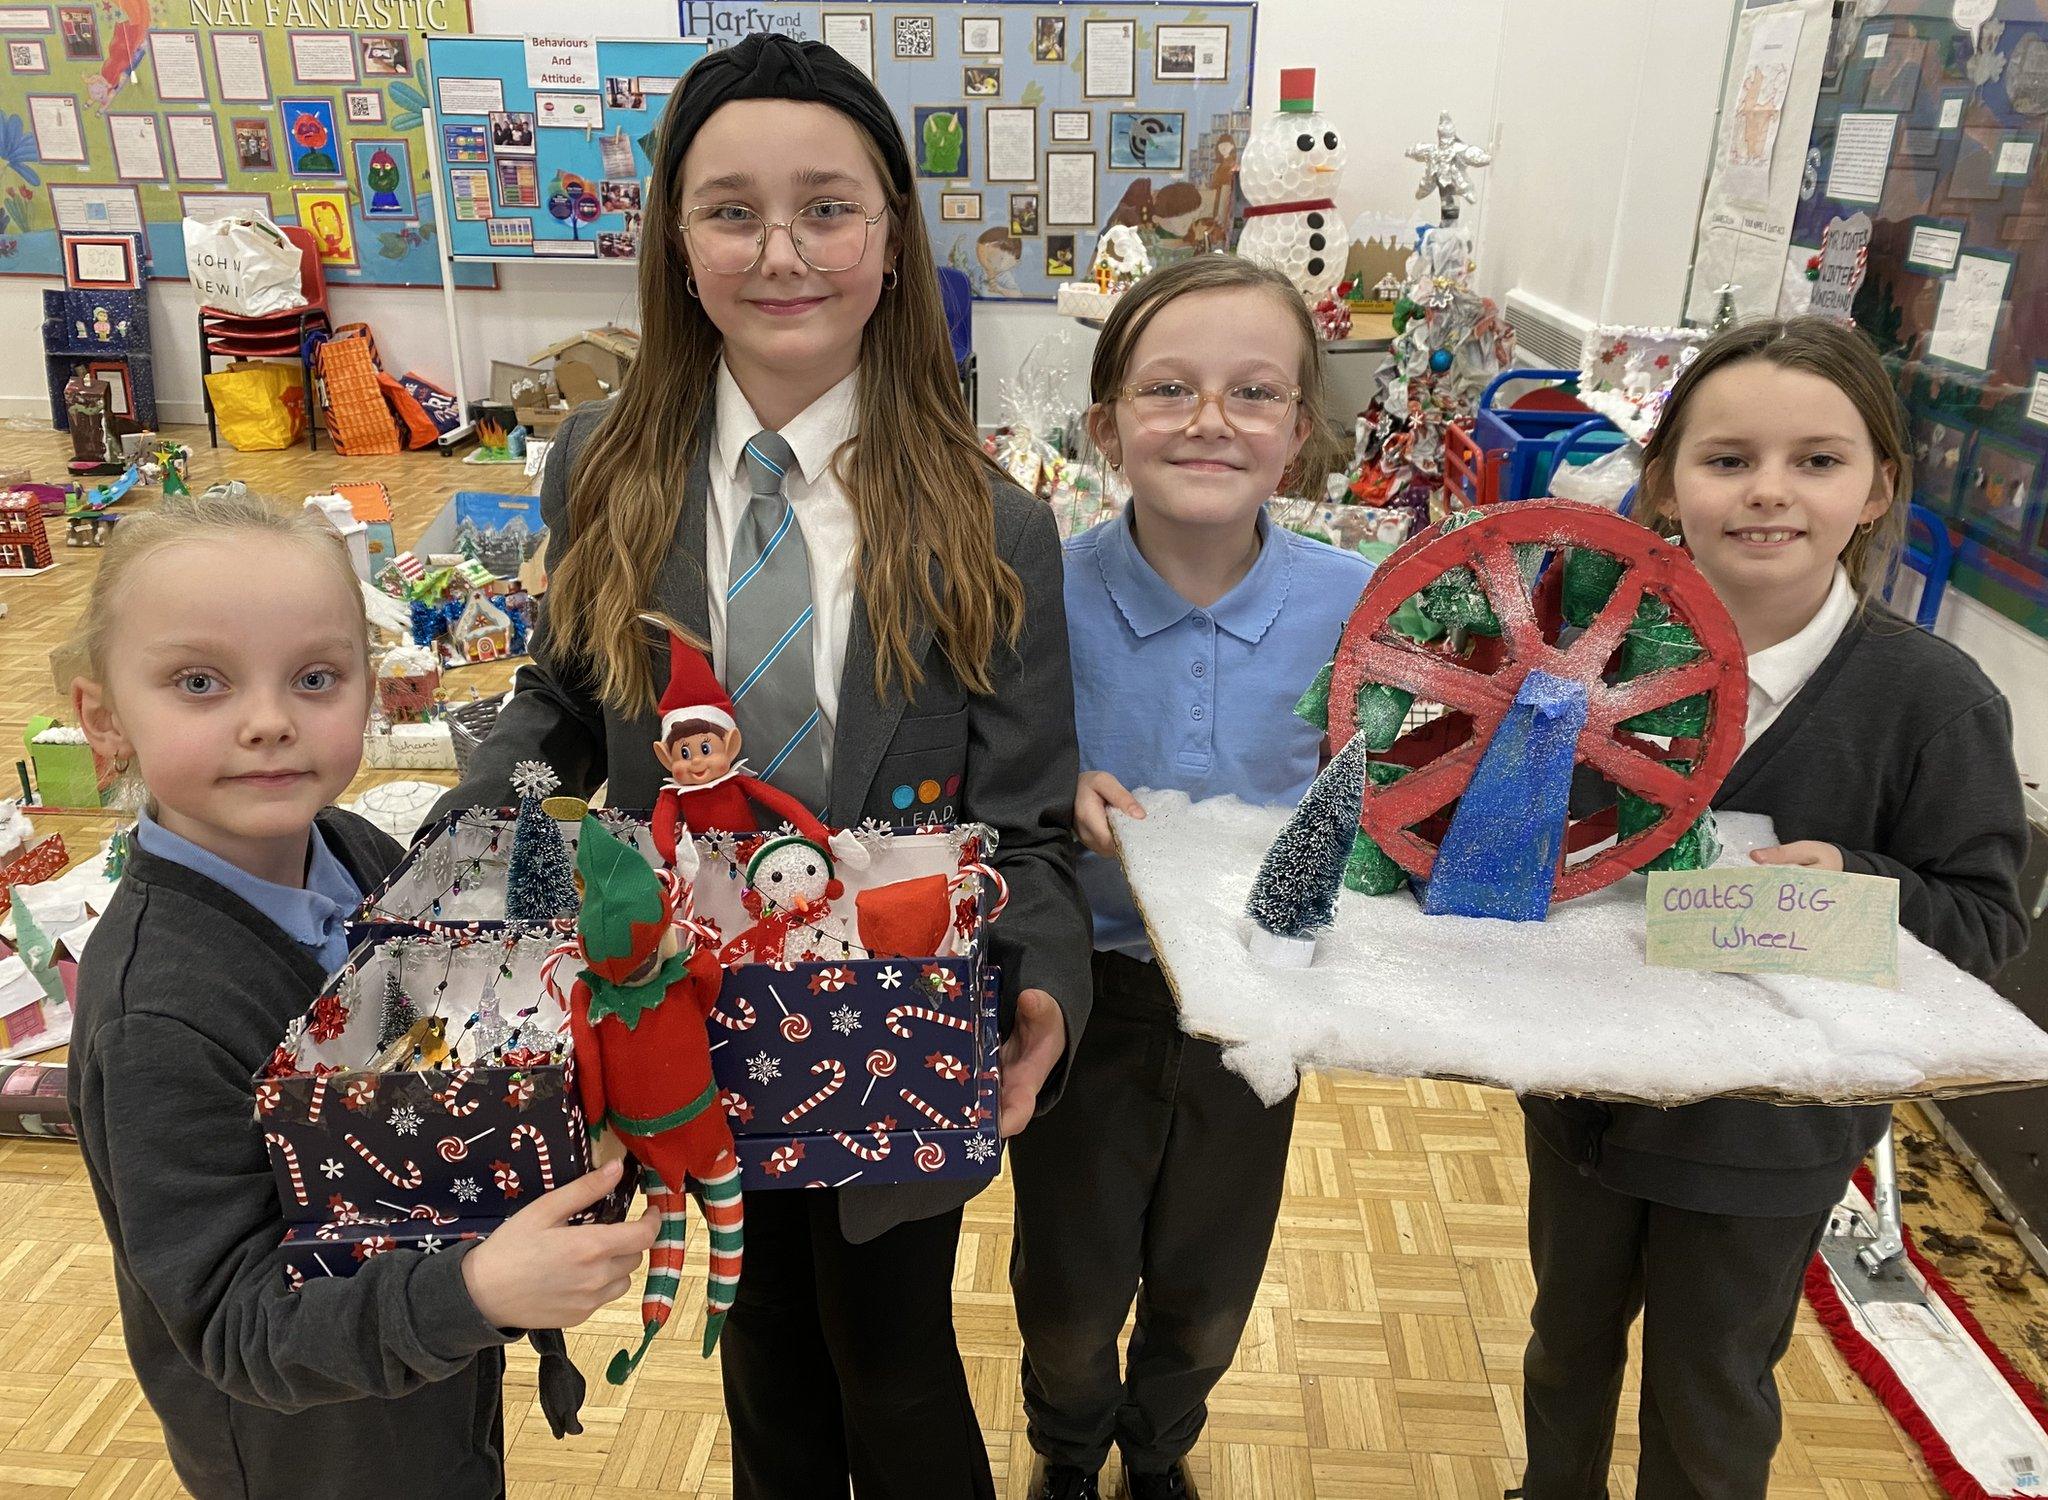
x: 125, y: 117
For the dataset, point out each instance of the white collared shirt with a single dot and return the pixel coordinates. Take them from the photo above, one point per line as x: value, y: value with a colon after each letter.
x: 824, y: 515
x: 1777, y: 673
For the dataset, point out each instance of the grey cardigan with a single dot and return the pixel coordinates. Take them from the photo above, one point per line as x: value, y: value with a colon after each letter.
x: 1012, y: 750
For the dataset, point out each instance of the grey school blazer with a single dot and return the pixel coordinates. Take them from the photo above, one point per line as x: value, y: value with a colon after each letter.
x: 1011, y: 753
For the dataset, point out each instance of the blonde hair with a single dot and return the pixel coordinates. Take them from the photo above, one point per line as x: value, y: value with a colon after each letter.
x: 1133, y: 314
x: 914, y: 473
x: 199, y: 518
x: 1846, y: 359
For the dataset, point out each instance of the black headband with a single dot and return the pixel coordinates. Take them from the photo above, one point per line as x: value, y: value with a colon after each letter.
x: 773, y: 66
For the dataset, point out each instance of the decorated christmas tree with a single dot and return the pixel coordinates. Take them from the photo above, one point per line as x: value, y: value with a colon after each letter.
x: 1448, y: 343
x: 1295, y: 895
x: 541, y: 885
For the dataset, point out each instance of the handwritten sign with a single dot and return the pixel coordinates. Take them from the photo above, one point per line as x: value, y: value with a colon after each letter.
x: 1776, y: 919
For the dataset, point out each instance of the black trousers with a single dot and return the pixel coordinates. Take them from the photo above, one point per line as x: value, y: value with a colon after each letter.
x: 1718, y: 1295
x: 840, y: 1363
x: 1159, y: 1176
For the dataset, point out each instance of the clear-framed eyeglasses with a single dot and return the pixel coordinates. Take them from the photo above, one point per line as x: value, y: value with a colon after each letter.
x: 1252, y: 407
x: 728, y: 239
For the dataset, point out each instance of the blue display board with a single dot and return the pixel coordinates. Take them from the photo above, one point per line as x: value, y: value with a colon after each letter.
x: 547, y: 174
x: 1034, y: 127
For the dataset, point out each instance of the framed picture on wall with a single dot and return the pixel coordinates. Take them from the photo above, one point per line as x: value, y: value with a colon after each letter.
x: 960, y: 208
x: 100, y: 262
x: 981, y: 36
x: 121, y: 400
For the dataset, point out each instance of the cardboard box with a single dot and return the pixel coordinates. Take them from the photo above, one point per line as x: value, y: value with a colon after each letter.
x: 478, y: 1140
x: 903, y: 1050
x: 339, y: 1247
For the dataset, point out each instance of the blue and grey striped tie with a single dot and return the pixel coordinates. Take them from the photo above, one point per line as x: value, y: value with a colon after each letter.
x: 768, y: 632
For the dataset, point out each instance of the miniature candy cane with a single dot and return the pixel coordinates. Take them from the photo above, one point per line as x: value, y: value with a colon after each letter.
x: 318, y: 1101
x: 881, y: 1063
x: 453, y: 1148
x: 295, y: 1278
x: 540, y: 1152
x: 947, y: 1066
x: 929, y: 1156
x: 926, y: 1110
x: 747, y: 1016
x: 794, y: 1028
x: 894, y: 1020
x: 406, y: 1182
x: 825, y: 1091
x: 290, y: 1154
x: 446, y: 1097
x: 877, y: 1152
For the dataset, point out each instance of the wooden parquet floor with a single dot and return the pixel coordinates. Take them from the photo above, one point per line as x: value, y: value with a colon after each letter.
x: 1382, y: 1362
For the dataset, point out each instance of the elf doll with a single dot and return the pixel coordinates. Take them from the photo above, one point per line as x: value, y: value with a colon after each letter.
x: 643, y: 1064
x: 709, y: 787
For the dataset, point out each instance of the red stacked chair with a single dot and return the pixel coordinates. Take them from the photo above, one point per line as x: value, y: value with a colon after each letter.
x: 282, y: 335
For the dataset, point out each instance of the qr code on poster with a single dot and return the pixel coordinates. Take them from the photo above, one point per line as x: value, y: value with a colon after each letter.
x: 916, y: 37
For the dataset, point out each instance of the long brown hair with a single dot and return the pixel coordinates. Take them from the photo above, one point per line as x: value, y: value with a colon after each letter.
x: 1845, y: 358
x: 1133, y: 314
x: 914, y: 472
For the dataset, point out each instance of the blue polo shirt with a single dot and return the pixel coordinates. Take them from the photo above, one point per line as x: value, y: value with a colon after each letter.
x: 1201, y: 701
x: 314, y: 917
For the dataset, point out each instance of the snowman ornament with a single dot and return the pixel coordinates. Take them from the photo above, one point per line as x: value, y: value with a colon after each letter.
x: 791, y: 885
x: 1289, y: 169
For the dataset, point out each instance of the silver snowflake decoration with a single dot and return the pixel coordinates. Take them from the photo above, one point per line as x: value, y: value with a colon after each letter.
x: 846, y: 1020
x: 875, y: 828
x: 331, y: 1168
x: 980, y: 1148
x: 891, y: 977
x: 719, y: 842
x: 533, y: 778
x: 431, y: 1245
x: 405, y: 1120
x: 466, y: 1190
x: 762, y: 1068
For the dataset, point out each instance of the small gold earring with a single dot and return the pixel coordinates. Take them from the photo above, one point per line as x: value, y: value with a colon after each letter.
x: 690, y: 283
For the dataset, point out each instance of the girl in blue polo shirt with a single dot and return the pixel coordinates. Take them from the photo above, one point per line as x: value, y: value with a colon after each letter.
x: 1195, y: 624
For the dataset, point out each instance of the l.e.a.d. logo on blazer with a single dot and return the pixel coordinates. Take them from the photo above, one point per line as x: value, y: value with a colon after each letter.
x: 916, y: 801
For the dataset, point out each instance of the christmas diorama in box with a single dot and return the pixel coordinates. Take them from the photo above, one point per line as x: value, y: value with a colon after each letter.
x: 1445, y: 902
x: 854, y: 1039
x: 426, y: 1097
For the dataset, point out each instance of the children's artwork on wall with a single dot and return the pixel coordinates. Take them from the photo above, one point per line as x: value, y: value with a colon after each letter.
x: 1953, y: 265
x: 252, y: 144
x: 386, y: 56
x: 1049, y: 38
x: 1145, y: 141
x: 80, y: 26
x: 981, y: 82
x: 1059, y: 256
x: 324, y: 215
x: 310, y: 137
x: 939, y: 140
x: 384, y: 178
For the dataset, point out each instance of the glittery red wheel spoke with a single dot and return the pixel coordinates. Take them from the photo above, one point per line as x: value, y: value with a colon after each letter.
x: 1432, y: 675
x: 1400, y: 804
x: 1596, y: 647
x: 1508, y: 592
x: 1639, y: 773
x: 1660, y: 689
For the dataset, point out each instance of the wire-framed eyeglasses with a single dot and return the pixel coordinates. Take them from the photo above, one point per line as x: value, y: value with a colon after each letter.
x: 728, y: 239
x: 1254, y: 407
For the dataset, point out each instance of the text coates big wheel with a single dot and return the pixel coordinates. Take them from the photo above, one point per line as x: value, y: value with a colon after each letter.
x: 1407, y: 817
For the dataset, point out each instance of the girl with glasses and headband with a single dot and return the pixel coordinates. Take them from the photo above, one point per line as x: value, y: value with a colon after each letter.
x: 795, y: 366
x: 1196, y: 624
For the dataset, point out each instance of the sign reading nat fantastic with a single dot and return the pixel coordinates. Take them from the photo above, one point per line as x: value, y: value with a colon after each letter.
x: 337, y: 15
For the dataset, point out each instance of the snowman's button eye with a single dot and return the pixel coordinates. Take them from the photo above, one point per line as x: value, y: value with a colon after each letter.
x: 810, y: 869
x: 1315, y: 221
x: 1305, y: 142
x: 1330, y: 140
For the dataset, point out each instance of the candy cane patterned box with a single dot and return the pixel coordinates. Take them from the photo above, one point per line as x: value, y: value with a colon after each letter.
x: 477, y: 1139
x: 834, y: 1066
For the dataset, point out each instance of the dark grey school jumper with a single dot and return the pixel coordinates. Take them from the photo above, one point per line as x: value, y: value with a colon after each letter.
x: 1898, y: 751
x: 386, y: 1383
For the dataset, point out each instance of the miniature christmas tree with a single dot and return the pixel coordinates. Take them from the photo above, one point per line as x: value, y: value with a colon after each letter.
x: 540, y: 885
x: 1295, y: 895
x: 399, y: 1015
x: 1449, y: 342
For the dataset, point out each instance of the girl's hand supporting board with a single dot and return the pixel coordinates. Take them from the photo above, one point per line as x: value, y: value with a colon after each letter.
x: 540, y: 1271
x: 1094, y: 795
x: 1810, y: 854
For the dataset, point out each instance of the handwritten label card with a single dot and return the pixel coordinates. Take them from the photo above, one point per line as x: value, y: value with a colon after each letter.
x: 1776, y: 919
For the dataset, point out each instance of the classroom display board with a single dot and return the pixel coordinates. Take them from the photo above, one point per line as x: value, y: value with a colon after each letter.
x: 119, y: 117
x: 1924, y: 170
x: 545, y: 143
x: 1033, y: 128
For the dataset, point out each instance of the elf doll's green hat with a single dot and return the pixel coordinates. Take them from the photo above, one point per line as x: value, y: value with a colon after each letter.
x: 626, y: 909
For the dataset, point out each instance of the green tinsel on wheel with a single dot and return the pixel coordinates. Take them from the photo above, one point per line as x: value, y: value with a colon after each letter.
x: 1381, y: 712
x: 1368, y: 869
x: 1313, y: 706
x: 1654, y: 646
x: 1589, y: 581
x: 1697, y: 848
